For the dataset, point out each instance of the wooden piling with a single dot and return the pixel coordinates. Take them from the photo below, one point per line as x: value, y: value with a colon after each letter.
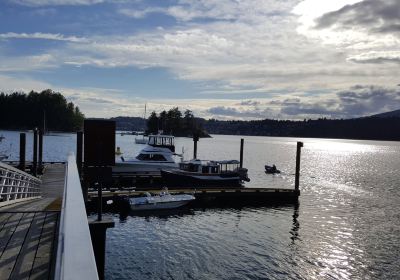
x: 40, y: 150
x: 241, y: 152
x: 98, y: 234
x: 297, y: 178
x: 35, y: 151
x: 195, y: 140
x: 79, y: 146
x: 22, y: 151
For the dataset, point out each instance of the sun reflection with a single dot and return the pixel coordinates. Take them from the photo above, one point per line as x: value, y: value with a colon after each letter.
x: 337, y: 146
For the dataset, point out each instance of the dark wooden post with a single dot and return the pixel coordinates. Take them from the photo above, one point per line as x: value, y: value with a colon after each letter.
x: 195, y: 140
x: 22, y: 151
x: 79, y: 146
x: 297, y: 178
x: 35, y: 151
x: 40, y: 150
x: 241, y: 152
x: 98, y: 233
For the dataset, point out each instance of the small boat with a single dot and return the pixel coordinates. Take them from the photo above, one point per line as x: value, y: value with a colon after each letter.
x: 271, y: 169
x: 164, y: 200
x: 202, y: 174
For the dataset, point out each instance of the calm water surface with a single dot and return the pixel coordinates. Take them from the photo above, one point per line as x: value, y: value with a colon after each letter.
x: 346, y: 225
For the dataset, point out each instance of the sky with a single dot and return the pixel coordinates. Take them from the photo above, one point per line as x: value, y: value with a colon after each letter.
x: 223, y: 59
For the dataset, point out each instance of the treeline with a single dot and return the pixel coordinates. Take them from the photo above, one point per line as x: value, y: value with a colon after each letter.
x: 19, y: 110
x: 371, y: 128
x: 175, y: 123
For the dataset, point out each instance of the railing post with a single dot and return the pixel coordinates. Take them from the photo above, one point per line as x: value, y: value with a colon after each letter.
x: 22, y: 153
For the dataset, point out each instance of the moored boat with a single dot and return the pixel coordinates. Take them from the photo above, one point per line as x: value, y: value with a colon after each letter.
x: 203, y: 174
x: 163, y: 201
x: 159, y: 153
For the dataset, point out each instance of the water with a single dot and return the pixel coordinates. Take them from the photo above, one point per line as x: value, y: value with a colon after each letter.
x: 346, y: 226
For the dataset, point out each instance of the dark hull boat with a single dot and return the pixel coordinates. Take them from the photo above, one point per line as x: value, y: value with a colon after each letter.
x: 271, y: 169
x: 205, y: 174
x: 182, y: 179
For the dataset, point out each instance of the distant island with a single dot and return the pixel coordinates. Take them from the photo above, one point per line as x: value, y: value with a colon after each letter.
x: 377, y: 127
x: 175, y: 123
x: 47, y: 110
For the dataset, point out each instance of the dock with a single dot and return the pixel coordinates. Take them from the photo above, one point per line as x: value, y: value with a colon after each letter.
x: 29, y: 231
x: 37, y: 239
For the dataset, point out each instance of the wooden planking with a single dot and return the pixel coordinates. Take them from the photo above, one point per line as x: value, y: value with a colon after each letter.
x: 4, y: 217
x: 8, y: 230
x: 53, y: 181
x: 23, y: 266
x: 13, y: 247
x: 42, y: 263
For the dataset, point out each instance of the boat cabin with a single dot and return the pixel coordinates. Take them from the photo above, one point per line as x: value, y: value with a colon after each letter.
x: 209, y: 167
x: 162, y: 141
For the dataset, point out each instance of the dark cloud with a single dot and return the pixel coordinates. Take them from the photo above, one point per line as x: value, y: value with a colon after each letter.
x: 234, y: 112
x: 376, y: 16
x: 358, y: 101
x: 249, y: 103
x: 98, y: 100
x: 309, y: 109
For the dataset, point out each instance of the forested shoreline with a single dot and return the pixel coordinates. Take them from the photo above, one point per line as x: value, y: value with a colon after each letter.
x: 47, y: 110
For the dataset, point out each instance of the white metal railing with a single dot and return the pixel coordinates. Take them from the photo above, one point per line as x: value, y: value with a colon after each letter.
x: 17, y: 185
x: 75, y: 256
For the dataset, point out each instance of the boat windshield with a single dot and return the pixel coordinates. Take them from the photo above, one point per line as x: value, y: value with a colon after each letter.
x: 151, y: 157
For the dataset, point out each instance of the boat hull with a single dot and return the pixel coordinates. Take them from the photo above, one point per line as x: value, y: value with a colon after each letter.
x: 178, y: 179
x: 160, y: 202
x: 126, y: 168
x: 159, y: 206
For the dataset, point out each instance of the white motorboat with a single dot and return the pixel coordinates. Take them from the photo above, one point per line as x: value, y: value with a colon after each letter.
x: 164, y: 200
x: 159, y: 153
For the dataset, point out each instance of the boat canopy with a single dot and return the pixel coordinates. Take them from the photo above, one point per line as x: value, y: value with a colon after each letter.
x: 164, y: 141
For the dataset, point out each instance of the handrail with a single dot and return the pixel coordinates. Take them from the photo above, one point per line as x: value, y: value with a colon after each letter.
x: 17, y: 185
x: 75, y: 257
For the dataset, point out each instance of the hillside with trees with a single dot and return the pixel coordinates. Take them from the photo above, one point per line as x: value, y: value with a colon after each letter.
x: 369, y: 128
x: 19, y: 110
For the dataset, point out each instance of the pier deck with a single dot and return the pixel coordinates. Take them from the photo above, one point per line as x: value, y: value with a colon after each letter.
x: 29, y: 231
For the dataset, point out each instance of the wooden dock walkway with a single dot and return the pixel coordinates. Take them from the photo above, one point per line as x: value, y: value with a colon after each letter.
x: 29, y: 231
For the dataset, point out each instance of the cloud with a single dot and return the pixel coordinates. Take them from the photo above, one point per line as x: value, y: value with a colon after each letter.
x: 38, y: 3
x: 358, y: 101
x: 376, y: 57
x: 374, y: 16
x: 237, y: 112
x: 249, y: 103
x: 45, y: 36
